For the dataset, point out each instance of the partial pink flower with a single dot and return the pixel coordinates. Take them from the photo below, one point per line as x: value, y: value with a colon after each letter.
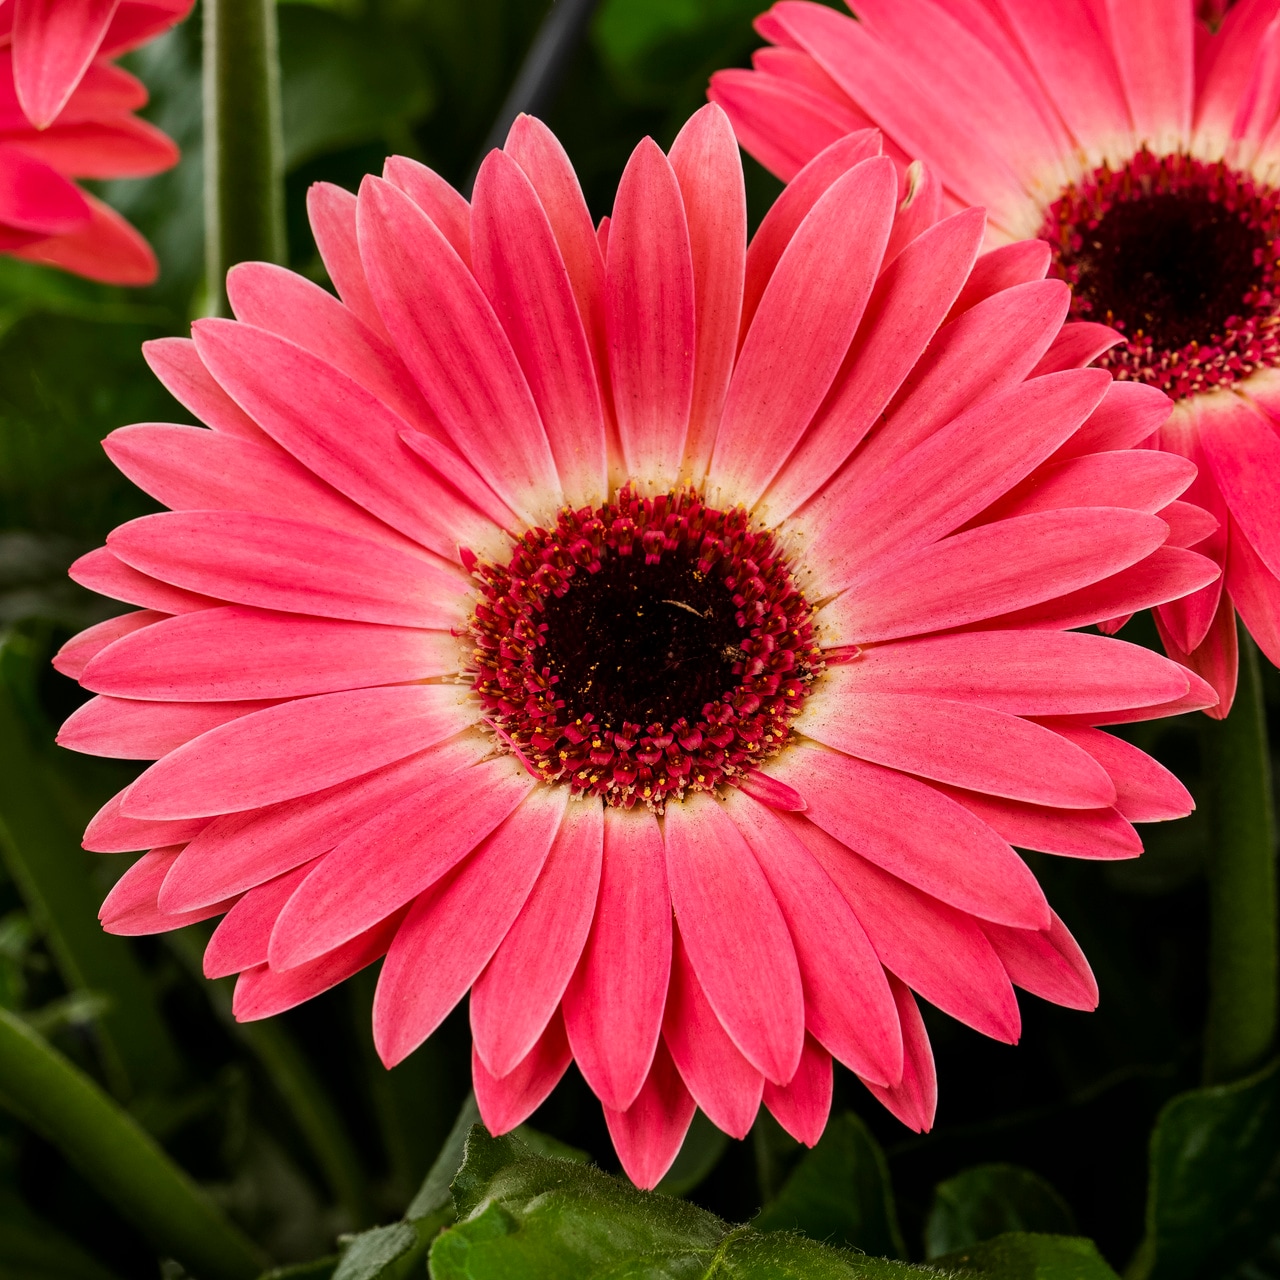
x: 66, y: 112
x: 663, y: 638
x: 1125, y: 147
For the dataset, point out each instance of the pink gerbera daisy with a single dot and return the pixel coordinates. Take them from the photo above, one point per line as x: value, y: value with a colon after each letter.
x: 66, y: 112
x: 1134, y: 153
x: 662, y: 638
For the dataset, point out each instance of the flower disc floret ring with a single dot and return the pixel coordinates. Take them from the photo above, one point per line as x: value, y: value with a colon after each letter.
x: 662, y: 638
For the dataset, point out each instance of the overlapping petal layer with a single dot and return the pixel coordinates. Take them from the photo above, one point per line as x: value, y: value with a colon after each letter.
x: 1012, y: 103
x: 327, y: 778
x: 67, y: 112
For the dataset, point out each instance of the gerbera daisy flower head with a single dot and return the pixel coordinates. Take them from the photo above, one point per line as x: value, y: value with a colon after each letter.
x: 660, y: 637
x: 67, y: 112
x: 1128, y: 147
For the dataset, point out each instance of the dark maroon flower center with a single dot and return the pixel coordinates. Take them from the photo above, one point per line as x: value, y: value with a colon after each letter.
x: 643, y: 649
x: 1181, y: 257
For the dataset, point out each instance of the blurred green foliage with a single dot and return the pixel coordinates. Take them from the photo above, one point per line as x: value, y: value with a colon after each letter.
x: 294, y: 1128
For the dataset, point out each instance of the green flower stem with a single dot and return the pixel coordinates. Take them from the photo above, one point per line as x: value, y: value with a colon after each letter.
x: 106, y: 1144
x: 1241, y: 1027
x: 243, y: 145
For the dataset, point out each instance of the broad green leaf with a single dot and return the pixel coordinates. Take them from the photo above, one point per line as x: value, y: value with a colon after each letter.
x: 344, y: 83
x: 524, y: 1217
x: 1022, y: 1256
x: 840, y: 1191
x: 1214, y: 1191
x: 989, y: 1200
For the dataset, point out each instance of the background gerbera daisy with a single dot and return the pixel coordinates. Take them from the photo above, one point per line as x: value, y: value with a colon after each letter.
x: 1124, y: 147
x: 67, y: 112
x: 662, y: 637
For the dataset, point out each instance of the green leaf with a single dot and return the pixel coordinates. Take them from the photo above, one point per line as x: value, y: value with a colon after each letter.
x: 370, y: 1254
x: 1021, y: 1256
x: 989, y: 1200
x: 525, y: 1217
x: 345, y: 83
x: 1214, y: 1190
x: 840, y: 1191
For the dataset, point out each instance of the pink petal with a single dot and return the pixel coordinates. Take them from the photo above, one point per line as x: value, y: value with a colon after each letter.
x: 392, y: 858
x: 1188, y: 524
x: 1155, y: 49
x: 736, y: 936
x: 237, y: 851
x: 955, y: 742
x: 446, y: 331
x: 613, y: 1005
x: 106, y: 249
x: 791, y: 208
x: 262, y: 992
x: 189, y: 469
x: 1003, y: 566
x: 1025, y: 673
x: 240, y: 940
x: 1255, y: 591
x: 915, y: 832
x: 783, y: 124
x: 128, y: 730
x: 1142, y: 479
x: 455, y: 926
x: 510, y: 1100
x: 908, y: 304
x: 918, y: 210
x: 915, y: 1100
x: 294, y: 749
x: 74, y: 656
x: 987, y: 350
x: 1049, y: 964
x: 1003, y: 268
x: 885, y: 514
x: 177, y: 364
x: 801, y: 331
x: 802, y: 1107
x: 939, y: 951
x: 704, y: 158
x: 308, y: 407
x: 130, y: 908
x: 332, y: 213
x: 279, y: 655
x: 102, y: 571
x: 1128, y: 414
x: 109, y: 831
x: 1079, y: 343
x: 1242, y: 450
x: 1215, y: 660
x: 723, y: 1083
x: 54, y: 42
x: 292, y: 307
x: 1073, y: 833
x: 445, y: 207
x: 518, y: 993
x: 273, y: 562
x: 847, y: 1002
x: 1165, y: 575
x: 1145, y: 790
x: 538, y: 152
x: 648, y: 1135
x: 518, y: 264
x: 649, y: 308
